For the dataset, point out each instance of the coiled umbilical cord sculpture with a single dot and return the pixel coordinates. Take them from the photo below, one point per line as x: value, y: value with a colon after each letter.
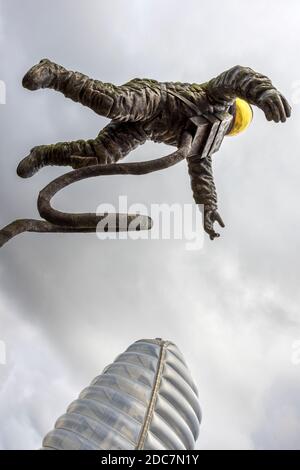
x: 61, y: 222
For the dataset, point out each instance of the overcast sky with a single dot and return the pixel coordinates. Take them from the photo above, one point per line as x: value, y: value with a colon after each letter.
x: 70, y: 303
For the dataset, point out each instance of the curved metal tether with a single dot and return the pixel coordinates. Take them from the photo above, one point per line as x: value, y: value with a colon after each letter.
x: 61, y: 222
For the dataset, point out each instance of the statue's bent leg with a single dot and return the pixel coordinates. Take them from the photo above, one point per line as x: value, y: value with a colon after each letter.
x: 118, y: 139
x: 76, y: 154
x: 113, y: 142
x: 137, y: 100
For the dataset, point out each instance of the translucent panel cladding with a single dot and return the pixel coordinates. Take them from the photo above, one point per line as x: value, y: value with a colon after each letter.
x: 145, y: 399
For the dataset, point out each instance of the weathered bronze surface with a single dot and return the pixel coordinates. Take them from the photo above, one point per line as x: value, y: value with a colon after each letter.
x: 192, y: 117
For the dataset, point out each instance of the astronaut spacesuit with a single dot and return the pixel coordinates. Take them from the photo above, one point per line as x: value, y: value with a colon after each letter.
x: 145, y: 109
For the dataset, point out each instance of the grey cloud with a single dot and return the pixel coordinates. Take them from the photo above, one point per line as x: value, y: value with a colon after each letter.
x: 71, y: 303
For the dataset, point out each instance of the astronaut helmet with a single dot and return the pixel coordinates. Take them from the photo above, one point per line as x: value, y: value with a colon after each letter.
x: 242, y: 116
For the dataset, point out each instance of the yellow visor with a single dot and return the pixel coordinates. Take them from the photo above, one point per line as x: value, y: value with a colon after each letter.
x: 242, y: 117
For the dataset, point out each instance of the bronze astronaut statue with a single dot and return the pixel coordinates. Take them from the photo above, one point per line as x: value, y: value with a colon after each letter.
x: 145, y: 109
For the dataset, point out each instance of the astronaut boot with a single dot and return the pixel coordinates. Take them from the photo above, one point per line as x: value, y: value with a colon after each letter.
x: 42, y: 75
x: 30, y: 164
x: 60, y: 154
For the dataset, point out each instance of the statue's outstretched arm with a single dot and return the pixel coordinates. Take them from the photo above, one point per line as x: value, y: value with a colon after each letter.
x: 255, y: 88
x: 204, y: 191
